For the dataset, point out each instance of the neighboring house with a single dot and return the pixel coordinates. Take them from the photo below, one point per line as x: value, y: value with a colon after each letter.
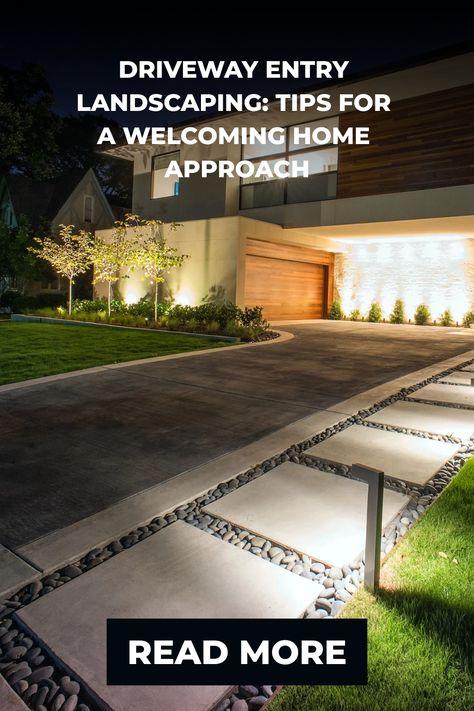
x: 74, y: 198
x: 393, y: 219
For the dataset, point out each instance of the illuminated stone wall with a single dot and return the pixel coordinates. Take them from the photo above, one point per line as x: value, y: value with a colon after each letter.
x: 439, y: 273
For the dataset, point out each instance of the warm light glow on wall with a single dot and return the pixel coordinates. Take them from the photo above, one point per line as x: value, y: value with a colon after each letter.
x: 131, y: 297
x: 437, y: 273
x: 184, y: 298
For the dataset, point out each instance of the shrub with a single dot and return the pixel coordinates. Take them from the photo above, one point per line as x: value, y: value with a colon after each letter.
x: 398, y: 313
x: 375, y: 312
x: 422, y: 315
x: 89, y: 306
x: 47, y: 312
x: 253, y: 316
x: 172, y: 324
x: 192, y: 325
x: 145, y: 308
x: 335, y: 312
x: 446, y: 318
x: 355, y: 315
x: 220, y: 318
x: 118, y: 306
x: 213, y: 327
x: 468, y: 318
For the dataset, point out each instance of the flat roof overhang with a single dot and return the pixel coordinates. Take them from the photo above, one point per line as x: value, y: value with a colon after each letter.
x: 430, y: 229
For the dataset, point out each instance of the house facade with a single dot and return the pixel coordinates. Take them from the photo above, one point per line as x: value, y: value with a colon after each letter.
x: 392, y: 219
x: 75, y: 198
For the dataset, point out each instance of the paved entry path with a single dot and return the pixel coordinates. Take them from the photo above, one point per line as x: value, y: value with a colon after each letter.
x: 73, y: 447
x: 191, y: 569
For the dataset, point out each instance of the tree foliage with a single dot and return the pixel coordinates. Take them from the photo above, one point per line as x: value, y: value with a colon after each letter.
x: 109, y: 257
x: 17, y: 264
x: 422, y: 315
x: 151, y: 252
x: 335, y: 312
x: 375, y: 314
x: 28, y: 125
x: 69, y: 255
x: 77, y: 148
x: 398, y: 313
x: 36, y: 142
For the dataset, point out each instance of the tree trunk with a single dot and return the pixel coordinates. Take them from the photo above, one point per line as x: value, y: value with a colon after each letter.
x: 110, y: 288
x: 70, y: 296
x: 156, y: 301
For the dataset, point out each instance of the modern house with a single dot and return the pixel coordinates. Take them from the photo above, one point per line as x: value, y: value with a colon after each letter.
x: 392, y: 219
x: 75, y: 198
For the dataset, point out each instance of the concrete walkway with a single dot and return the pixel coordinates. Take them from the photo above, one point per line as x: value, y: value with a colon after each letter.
x: 75, y: 446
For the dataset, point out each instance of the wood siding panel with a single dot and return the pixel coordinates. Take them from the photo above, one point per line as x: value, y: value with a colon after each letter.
x: 286, y: 289
x: 424, y: 142
x: 289, y: 281
x: 298, y: 253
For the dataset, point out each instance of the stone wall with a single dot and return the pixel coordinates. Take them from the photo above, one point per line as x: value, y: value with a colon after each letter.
x: 439, y: 273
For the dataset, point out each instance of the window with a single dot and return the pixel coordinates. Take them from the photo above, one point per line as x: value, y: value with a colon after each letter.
x: 322, y: 165
x: 161, y: 186
x: 310, y: 130
x: 88, y: 208
x: 260, y: 150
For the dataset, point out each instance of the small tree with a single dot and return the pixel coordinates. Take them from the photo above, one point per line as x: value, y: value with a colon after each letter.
x: 422, y: 315
x: 375, y: 312
x: 446, y: 318
x: 335, y: 312
x: 69, y: 254
x: 109, y: 257
x: 467, y: 319
x: 152, y: 253
x: 398, y: 313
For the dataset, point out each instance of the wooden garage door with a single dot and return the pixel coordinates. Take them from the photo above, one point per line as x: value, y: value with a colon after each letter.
x: 286, y: 289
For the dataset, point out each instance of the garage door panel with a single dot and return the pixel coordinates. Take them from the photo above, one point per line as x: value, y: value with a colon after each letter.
x: 286, y: 289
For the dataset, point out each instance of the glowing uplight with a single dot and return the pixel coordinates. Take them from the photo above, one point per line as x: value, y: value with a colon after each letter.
x: 184, y: 298
x: 131, y: 297
x: 435, y: 273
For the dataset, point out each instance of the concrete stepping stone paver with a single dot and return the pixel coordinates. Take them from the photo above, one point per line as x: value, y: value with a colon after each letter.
x: 443, y: 392
x: 426, y: 418
x: 179, y: 572
x: 461, y: 378
x: 9, y: 701
x: 314, y: 512
x: 14, y: 572
x: 402, y: 456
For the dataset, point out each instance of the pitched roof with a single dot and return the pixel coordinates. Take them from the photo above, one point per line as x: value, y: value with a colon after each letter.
x: 39, y: 200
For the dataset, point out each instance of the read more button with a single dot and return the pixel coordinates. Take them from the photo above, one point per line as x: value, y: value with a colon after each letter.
x: 236, y: 651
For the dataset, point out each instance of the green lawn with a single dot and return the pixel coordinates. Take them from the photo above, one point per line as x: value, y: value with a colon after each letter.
x: 421, y: 626
x: 31, y: 350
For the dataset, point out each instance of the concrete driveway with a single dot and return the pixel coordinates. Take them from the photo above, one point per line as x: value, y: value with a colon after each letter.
x: 72, y: 447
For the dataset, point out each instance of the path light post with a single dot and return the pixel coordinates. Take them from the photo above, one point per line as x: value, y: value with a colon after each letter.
x: 374, y: 479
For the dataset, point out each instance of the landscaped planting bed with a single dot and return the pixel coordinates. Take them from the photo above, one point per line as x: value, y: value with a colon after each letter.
x: 223, y: 319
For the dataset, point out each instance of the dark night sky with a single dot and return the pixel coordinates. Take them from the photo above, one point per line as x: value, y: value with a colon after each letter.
x: 81, y: 54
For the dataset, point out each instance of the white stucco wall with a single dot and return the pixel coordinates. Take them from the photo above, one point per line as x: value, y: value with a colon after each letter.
x: 213, y: 249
